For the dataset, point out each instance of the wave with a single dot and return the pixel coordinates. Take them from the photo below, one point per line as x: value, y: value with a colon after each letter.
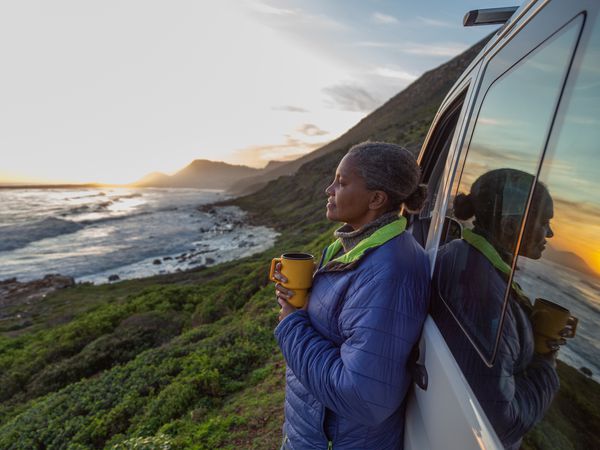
x: 99, y: 194
x: 134, y: 195
x: 13, y: 237
x: 86, y: 209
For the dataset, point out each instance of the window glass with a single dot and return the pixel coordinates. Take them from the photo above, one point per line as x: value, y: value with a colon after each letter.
x: 559, y: 260
x: 492, y: 192
x: 483, y: 314
x: 433, y: 163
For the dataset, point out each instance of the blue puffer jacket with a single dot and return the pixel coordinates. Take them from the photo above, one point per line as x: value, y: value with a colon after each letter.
x: 347, y: 355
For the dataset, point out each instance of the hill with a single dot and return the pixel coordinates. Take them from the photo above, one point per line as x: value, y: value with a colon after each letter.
x: 404, y: 119
x: 203, y: 174
x: 569, y: 259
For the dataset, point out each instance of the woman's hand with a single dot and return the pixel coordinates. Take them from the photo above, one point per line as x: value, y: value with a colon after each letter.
x: 554, y: 346
x: 283, y: 294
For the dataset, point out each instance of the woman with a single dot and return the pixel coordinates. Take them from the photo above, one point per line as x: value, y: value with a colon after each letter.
x: 347, y: 349
x: 471, y: 277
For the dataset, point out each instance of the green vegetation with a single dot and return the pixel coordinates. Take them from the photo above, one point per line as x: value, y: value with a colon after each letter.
x: 572, y: 420
x: 188, y: 360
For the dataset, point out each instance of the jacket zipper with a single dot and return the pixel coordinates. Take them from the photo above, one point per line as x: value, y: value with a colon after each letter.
x: 329, y: 445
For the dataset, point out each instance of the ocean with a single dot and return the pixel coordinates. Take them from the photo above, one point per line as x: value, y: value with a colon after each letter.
x: 93, y: 233
x: 580, y: 294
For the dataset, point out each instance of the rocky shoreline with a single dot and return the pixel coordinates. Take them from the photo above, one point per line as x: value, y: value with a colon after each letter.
x: 229, y: 237
x: 14, y: 292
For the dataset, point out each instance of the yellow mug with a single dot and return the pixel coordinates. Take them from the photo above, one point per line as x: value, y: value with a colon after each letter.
x: 551, y: 321
x: 298, y: 268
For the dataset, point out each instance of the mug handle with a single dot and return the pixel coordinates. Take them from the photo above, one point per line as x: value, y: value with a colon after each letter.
x: 274, y: 262
x: 571, y: 327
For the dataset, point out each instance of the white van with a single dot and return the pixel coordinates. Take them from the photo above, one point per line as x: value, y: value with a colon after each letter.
x: 513, y: 169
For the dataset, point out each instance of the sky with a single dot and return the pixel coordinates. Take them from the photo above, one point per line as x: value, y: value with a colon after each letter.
x: 109, y: 91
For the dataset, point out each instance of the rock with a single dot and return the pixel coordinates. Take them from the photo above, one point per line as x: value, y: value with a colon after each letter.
x: 156, y: 262
x: 114, y: 277
x: 586, y: 371
x: 167, y: 258
x: 210, y: 260
x: 13, y: 292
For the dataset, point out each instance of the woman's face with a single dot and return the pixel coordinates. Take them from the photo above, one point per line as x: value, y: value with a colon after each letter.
x: 348, y: 197
x: 537, y: 228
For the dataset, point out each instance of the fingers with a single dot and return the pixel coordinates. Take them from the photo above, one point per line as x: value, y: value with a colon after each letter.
x: 567, y: 332
x: 284, y: 292
x: 554, y: 344
x: 286, y: 308
x: 278, y: 275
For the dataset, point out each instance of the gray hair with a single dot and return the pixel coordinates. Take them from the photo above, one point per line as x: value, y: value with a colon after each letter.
x: 392, y: 169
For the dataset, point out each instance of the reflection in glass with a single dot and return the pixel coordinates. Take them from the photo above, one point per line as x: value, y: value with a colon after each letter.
x: 471, y: 276
x: 569, y: 271
x: 510, y: 132
x: 517, y: 111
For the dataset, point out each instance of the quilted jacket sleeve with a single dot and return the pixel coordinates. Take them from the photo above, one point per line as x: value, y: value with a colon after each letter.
x: 366, y: 378
x: 515, y: 399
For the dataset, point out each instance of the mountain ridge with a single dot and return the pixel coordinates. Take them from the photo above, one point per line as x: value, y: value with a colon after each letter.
x: 403, y: 119
x: 203, y: 174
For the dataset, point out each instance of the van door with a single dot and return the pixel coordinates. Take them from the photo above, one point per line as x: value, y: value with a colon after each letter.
x: 485, y: 387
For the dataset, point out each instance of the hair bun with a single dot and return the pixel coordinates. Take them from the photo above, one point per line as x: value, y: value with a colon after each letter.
x: 463, y: 207
x: 415, y: 201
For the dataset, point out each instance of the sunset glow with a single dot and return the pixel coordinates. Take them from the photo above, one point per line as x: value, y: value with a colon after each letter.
x: 238, y: 81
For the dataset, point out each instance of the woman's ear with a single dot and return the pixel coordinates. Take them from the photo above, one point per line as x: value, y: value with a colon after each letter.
x: 379, y: 200
x: 510, y: 226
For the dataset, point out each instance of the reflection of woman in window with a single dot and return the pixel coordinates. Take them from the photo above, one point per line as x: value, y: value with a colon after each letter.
x: 471, y: 277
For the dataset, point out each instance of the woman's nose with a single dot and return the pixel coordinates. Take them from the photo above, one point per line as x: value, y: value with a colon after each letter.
x: 549, y: 232
x: 329, y: 190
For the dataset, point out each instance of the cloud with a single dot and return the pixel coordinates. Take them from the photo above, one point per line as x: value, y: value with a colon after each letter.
x: 374, y: 44
x: 289, y: 108
x: 271, y: 10
x: 394, y: 73
x: 493, y: 121
x: 350, y: 97
x: 378, y: 17
x: 291, y: 149
x: 438, y: 23
x: 446, y: 49
x: 310, y: 129
x: 413, y: 48
x: 287, y: 17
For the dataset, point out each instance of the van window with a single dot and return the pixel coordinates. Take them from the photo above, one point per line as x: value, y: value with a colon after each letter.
x: 560, y: 255
x: 490, y: 197
x: 433, y: 162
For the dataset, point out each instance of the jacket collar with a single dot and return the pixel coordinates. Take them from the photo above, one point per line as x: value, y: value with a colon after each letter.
x: 351, y: 258
x: 491, y: 254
